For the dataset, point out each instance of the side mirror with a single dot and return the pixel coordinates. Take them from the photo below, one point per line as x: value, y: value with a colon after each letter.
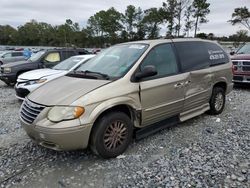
x: 147, y: 71
x: 232, y: 53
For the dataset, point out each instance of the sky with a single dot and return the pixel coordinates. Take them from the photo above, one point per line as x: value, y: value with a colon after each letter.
x: 18, y: 12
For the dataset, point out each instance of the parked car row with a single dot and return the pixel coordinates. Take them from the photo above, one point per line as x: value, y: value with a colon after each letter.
x: 42, y: 59
x: 29, y: 81
x: 128, y: 90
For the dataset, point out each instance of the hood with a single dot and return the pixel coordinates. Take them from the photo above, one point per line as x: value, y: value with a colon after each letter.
x: 39, y: 73
x: 14, y: 64
x: 64, y: 90
x: 241, y: 57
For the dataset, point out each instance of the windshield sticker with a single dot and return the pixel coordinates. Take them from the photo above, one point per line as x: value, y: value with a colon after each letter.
x: 137, y: 46
x: 214, y: 55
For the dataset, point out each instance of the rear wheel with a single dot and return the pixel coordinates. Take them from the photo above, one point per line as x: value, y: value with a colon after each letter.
x: 217, y: 101
x: 111, y: 135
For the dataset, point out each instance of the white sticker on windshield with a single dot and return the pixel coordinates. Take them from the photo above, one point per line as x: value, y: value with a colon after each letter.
x: 137, y: 46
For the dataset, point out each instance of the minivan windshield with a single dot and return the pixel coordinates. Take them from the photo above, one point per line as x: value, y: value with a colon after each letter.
x: 113, y: 62
x: 68, y: 63
x: 244, y: 49
x: 36, y: 56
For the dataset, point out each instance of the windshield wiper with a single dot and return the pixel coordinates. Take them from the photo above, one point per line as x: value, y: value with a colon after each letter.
x: 99, y: 73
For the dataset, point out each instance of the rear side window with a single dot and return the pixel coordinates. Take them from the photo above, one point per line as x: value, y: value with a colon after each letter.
x: 216, y: 54
x: 17, y: 54
x: 193, y: 55
x: 67, y: 54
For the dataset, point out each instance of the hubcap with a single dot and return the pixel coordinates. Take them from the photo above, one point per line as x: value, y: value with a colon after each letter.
x: 115, y: 135
x: 219, y: 101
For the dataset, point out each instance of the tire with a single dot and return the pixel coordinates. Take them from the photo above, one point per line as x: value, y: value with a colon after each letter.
x: 217, y: 101
x: 116, y: 123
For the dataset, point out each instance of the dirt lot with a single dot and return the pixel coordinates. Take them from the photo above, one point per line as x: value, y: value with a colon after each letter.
x: 206, y: 151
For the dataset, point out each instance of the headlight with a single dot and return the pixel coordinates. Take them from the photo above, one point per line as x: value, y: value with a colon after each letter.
x: 31, y: 82
x: 61, y: 113
x: 7, y: 70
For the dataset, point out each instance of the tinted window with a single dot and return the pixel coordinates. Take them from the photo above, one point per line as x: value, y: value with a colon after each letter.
x: 163, y: 58
x: 193, y: 55
x: 216, y: 54
x: 67, y: 54
x: 17, y: 54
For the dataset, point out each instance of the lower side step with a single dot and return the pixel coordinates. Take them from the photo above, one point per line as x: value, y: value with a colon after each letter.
x: 151, y: 129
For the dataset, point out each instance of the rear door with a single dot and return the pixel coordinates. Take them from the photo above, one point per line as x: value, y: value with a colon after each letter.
x: 194, y: 60
x: 162, y: 96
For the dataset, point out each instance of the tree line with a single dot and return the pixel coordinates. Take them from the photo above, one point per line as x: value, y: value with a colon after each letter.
x: 106, y: 27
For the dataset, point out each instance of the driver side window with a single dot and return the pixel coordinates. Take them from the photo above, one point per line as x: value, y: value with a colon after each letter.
x: 164, y: 60
x: 53, y: 57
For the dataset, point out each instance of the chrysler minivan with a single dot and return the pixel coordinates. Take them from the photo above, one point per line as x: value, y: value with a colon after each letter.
x: 128, y: 91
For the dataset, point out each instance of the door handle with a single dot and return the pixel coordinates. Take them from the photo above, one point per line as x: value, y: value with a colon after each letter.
x: 178, y: 85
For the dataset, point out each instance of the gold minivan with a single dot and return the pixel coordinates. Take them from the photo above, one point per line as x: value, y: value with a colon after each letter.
x: 128, y: 91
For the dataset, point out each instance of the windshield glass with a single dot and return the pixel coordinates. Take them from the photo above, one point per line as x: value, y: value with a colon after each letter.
x: 36, y: 56
x: 244, y: 49
x: 68, y: 63
x: 114, y: 61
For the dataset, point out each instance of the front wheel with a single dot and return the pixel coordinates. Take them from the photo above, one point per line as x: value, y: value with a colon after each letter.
x: 111, y: 135
x: 217, y: 101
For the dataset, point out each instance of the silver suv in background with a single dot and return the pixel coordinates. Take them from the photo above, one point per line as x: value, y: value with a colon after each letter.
x: 130, y: 89
x: 11, y: 56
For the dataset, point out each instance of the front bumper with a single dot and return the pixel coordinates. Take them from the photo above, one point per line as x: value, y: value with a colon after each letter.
x: 8, y: 78
x: 241, y: 78
x: 59, y: 139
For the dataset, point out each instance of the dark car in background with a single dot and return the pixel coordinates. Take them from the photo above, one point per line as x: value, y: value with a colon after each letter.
x: 42, y: 59
x: 11, y: 56
x: 241, y: 64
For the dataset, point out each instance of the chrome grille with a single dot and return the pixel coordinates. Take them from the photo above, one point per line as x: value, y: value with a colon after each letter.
x: 241, y: 65
x: 29, y: 111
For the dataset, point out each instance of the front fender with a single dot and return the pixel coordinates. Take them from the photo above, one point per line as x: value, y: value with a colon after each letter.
x: 132, y: 103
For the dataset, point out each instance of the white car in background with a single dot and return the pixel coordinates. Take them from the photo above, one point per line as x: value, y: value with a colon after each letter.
x: 29, y: 81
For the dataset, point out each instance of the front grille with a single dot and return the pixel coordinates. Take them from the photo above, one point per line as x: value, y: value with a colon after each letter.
x: 29, y: 111
x: 246, y: 68
x: 246, y: 63
x: 242, y: 66
x: 1, y: 70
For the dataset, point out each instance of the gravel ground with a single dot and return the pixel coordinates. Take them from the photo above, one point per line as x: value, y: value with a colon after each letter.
x: 206, y: 151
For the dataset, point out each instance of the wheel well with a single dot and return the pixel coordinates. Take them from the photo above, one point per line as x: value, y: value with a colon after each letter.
x: 120, y: 108
x: 222, y: 85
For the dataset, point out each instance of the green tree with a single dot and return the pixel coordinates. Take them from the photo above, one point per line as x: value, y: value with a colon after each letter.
x: 152, y: 20
x: 8, y: 35
x: 241, y: 16
x: 180, y: 8
x: 169, y: 12
x: 106, y: 24
x: 189, y: 23
x: 129, y: 19
x: 200, y: 10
